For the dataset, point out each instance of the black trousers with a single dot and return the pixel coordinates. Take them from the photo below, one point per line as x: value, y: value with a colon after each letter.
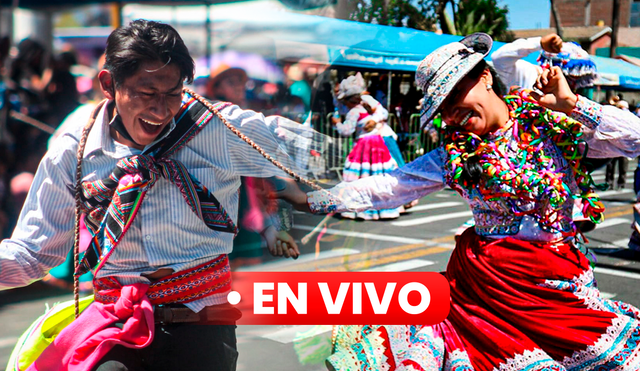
x: 623, y: 164
x: 178, y: 347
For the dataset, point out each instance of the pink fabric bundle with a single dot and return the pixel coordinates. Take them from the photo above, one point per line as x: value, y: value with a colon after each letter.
x: 91, y: 336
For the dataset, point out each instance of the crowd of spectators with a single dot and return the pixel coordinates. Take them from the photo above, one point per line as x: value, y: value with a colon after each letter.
x: 37, y: 91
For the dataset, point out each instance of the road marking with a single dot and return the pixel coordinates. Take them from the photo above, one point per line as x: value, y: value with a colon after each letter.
x: 370, y: 236
x: 616, y: 272
x: 612, y: 221
x: 432, y: 218
x: 304, y: 258
x: 602, y: 175
x: 621, y: 243
x: 370, y: 259
x: 614, y: 192
x: 607, y: 295
x: 438, y: 205
x: 286, y: 335
x: 401, y: 266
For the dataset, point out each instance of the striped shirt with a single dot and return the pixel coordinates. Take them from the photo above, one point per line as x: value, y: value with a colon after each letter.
x: 166, y: 232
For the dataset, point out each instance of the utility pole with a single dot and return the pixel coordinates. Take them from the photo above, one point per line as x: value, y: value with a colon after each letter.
x: 615, y: 24
x: 556, y: 18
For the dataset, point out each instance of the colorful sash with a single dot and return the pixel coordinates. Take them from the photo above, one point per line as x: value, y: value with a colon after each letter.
x: 181, y: 287
x: 112, y: 203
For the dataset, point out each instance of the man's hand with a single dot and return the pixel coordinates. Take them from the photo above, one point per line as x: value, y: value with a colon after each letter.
x: 292, y: 193
x: 556, y: 94
x: 280, y: 243
x: 335, y: 120
x: 551, y: 43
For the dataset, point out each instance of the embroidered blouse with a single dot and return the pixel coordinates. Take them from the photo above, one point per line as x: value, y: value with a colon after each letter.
x: 608, y: 131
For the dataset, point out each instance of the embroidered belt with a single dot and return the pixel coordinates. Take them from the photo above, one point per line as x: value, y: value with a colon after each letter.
x: 210, y: 278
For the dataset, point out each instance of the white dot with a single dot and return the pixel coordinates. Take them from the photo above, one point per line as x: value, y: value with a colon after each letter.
x: 233, y: 297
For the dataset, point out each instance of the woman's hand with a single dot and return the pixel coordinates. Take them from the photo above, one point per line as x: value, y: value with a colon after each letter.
x: 551, y: 43
x: 554, y: 92
x: 280, y: 243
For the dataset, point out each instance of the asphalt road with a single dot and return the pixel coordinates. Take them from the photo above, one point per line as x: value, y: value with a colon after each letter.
x: 420, y: 240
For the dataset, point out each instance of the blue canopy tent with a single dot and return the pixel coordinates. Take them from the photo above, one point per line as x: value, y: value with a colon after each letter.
x: 617, y: 73
x: 364, y: 45
x: 282, y: 35
x: 338, y: 42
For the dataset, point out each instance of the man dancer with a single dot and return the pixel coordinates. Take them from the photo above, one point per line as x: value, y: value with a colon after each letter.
x: 159, y: 175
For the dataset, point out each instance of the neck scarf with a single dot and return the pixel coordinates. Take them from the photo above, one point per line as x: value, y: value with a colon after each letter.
x: 112, y: 203
x: 529, y: 175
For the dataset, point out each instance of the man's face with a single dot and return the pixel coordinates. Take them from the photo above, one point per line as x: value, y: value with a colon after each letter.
x: 231, y: 88
x: 147, y: 100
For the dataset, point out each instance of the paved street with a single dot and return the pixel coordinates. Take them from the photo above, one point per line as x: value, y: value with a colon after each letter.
x: 420, y: 240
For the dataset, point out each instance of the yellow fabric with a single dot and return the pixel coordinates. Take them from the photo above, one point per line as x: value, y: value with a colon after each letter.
x: 42, y: 332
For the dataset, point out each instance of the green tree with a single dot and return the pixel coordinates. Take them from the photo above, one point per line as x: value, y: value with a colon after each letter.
x: 482, y: 16
x: 471, y: 16
x: 400, y: 13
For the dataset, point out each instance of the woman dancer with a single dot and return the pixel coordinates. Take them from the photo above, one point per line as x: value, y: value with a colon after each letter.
x: 522, y: 296
x: 370, y: 155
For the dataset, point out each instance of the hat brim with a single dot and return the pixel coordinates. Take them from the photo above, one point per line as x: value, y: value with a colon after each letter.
x: 229, y: 72
x: 455, y: 70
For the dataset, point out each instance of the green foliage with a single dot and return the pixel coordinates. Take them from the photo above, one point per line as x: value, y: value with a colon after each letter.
x: 482, y: 16
x: 469, y: 16
x: 400, y: 13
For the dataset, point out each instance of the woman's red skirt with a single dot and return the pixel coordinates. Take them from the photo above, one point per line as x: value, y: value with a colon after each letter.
x: 515, y: 305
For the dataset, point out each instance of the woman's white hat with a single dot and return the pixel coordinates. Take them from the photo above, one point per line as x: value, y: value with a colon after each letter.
x: 440, y: 71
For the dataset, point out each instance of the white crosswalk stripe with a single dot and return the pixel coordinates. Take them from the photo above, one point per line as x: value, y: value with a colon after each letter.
x: 401, y: 266
x: 614, y: 192
x: 432, y: 218
x: 439, y: 205
x: 612, y: 222
x: 281, y: 264
x: 371, y: 236
x: 617, y: 272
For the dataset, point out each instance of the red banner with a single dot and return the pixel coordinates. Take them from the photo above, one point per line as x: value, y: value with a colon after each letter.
x: 340, y: 298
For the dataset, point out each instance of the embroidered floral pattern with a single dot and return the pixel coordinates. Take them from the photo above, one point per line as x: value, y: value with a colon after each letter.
x: 619, y: 346
x: 531, y: 360
x: 588, y: 112
x: 458, y: 360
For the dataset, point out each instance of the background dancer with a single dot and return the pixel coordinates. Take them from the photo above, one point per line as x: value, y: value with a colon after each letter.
x: 369, y: 156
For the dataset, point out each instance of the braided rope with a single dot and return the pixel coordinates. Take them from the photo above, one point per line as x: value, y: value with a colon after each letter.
x: 78, y: 188
x: 253, y: 144
x: 76, y: 238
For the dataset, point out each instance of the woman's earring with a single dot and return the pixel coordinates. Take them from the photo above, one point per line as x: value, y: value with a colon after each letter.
x: 488, y: 86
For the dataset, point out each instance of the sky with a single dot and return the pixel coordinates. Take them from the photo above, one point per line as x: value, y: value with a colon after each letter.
x: 527, y: 14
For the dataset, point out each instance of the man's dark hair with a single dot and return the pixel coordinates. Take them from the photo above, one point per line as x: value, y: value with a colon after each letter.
x: 146, y: 41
